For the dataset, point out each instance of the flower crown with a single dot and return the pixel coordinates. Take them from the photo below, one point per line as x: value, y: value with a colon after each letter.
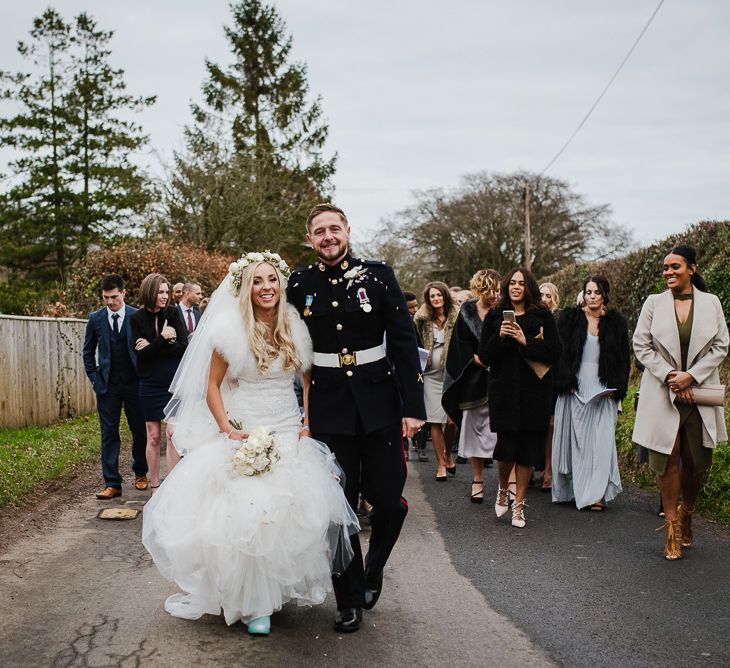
x: 235, y: 269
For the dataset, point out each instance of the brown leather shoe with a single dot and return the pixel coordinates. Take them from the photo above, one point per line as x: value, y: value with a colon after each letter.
x: 109, y: 493
x: 140, y: 482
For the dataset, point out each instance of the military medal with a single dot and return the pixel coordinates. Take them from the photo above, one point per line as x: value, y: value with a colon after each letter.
x: 362, y: 296
x: 307, y: 303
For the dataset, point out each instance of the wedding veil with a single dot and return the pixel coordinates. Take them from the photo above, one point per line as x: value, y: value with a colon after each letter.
x: 187, y: 412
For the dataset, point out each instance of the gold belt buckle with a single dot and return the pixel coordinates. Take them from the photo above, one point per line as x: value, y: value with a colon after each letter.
x: 347, y: 359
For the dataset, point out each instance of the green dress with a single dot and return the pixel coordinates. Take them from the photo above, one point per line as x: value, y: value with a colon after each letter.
x: 690, y: 420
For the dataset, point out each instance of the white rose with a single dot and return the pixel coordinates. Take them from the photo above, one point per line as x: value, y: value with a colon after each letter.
x: 257, y: 257
x: 232, y: 267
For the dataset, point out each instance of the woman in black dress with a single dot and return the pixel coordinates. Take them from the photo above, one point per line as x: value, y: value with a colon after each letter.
x: 160, y: 341
x: 519, y: 344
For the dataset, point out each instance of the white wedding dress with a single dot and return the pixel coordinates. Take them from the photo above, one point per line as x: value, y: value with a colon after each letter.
x: 249, y: 544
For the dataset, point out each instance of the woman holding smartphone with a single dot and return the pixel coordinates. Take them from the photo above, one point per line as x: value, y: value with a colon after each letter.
x: 519, y: 344
x: 681, y: 340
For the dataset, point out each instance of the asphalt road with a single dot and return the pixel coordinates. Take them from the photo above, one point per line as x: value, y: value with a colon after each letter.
x: 461, y: 589
x: 591, y: 589
x: 85, y: 593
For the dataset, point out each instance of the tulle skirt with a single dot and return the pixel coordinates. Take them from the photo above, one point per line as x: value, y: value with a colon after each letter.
x: 249, y: 544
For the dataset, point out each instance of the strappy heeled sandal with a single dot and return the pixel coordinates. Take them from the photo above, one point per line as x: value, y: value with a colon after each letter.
x: 477, y: 497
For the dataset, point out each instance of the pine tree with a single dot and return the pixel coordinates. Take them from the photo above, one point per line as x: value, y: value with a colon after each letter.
x: 254, y: 161
x: 110, y: 187
x: 35, y: 216
x: 71, y: 179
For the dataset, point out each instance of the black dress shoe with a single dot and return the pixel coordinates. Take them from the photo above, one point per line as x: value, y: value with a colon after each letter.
x: 373, y: 587
x: 348, y: 620
x: 422, y: 456
x: 461, y: 460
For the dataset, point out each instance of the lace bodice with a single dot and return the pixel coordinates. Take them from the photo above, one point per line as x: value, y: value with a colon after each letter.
x: 264, y: 401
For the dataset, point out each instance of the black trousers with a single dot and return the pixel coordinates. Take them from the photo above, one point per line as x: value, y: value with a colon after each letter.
x: 110, y: 412
x: 374, y: 465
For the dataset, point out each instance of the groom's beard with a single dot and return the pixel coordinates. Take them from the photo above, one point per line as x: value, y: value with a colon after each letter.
x: 333, y: 260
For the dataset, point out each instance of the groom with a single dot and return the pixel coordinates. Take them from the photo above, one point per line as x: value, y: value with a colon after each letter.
x: 361, y: 403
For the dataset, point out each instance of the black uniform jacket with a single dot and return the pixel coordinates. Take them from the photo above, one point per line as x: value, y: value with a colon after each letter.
x: 345, y: 314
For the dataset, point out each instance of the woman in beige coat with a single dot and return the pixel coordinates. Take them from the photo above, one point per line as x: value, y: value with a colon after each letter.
x: 681, y: 339
x: 434, y: 323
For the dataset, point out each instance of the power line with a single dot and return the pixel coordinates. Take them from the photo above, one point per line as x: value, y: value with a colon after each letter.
x: 603, y: 92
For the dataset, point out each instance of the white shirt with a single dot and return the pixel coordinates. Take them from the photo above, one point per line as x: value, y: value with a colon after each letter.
x: 184, y: 311
x: 120, y: 313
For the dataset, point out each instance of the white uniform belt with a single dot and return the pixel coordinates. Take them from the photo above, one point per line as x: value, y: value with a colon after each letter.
x: 354, y: 358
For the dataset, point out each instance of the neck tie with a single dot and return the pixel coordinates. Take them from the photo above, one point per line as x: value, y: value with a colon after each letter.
x: 191, y: 327
x: 115, y: 326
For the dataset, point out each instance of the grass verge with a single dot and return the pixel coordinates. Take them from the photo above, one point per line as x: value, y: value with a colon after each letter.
x: 30, y: 456
x: 714, y: 500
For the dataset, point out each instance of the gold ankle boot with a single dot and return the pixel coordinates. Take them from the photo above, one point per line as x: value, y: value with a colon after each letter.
x: 685, y: 523
x: 673, y: 547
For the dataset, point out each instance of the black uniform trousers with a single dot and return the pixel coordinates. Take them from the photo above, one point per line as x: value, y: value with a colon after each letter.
x: 110, y: 405
x: 374, y: 464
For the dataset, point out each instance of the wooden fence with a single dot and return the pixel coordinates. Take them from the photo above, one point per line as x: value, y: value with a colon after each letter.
x: 42, y: 375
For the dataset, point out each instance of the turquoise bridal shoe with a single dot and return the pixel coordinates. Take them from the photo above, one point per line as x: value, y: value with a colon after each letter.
x: 260, y: 626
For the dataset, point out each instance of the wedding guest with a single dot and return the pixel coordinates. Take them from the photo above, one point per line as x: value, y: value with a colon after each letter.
x: 595, y: 359
x: 204, y: 304
x: 455, y: 290
x: 160, y: 339
x: 435, y: 322
x: 681, y: 339
x: 463, y: 296
x: 177, y: 292
x: 466, y: 377
x: 189, y: 306
x: 418, y: 442
x: 109, y: 362
x: 411, y: 302
x: 551, y: 298
x: 519, y: 344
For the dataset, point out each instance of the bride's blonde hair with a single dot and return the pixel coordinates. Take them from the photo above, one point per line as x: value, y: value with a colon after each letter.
x: 267, y: 343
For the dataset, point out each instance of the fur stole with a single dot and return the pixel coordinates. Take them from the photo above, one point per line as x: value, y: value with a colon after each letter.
x: 229, y: 341
x: 614, y: 357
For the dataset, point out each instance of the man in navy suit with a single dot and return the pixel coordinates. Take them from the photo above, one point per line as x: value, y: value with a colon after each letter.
x: 188, y: 305
x: 111, y: 365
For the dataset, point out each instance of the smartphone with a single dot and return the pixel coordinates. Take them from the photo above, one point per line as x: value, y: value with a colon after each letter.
x: 509, y: 316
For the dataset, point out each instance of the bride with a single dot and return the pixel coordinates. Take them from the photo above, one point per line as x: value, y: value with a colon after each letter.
x: 247, y: 544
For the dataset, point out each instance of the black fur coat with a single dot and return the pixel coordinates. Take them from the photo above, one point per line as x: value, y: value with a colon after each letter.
x: 518, y: 399
x: 613, y: 340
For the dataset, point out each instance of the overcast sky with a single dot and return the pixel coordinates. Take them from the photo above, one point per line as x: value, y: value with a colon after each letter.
x: 417, y: 95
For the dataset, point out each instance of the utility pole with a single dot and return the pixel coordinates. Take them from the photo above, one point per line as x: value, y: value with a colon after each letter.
x: 528, y: 241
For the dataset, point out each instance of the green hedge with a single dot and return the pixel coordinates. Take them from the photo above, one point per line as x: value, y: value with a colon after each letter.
x: 639, y: 274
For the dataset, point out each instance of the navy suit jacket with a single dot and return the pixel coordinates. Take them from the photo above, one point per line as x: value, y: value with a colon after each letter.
x: 97, y: 347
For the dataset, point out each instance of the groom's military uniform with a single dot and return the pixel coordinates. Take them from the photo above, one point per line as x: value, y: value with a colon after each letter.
x: 366, y: 376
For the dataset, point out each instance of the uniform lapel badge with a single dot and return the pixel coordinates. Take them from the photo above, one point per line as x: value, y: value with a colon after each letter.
x: 307, y: 303
x: 362, y: 296
x: 321, y: 266
x: 345, y: 265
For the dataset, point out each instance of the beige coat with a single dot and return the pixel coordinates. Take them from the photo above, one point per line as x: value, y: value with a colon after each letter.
x: 656, y: 345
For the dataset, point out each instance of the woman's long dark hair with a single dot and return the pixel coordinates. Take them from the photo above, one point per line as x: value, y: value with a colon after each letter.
x: 533, y: 301
x: 690, y: 256
x: 601, y: 283
x: 445, y: 293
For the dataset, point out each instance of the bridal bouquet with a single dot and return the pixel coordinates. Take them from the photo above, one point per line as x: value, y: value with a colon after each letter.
x: 256, y: 454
